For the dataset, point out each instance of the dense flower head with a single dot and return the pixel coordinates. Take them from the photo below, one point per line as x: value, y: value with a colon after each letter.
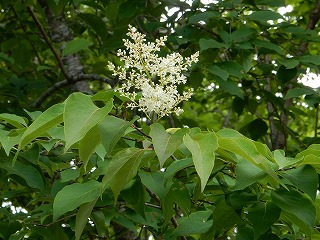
x: 155, y: 78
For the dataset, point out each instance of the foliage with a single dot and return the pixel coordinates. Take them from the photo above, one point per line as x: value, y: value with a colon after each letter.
x: 241, y: 162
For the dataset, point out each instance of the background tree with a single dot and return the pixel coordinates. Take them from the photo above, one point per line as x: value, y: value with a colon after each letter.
x: 85, y: 166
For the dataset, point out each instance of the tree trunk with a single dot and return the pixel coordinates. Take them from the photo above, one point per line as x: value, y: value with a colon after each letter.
x: 60, y: 33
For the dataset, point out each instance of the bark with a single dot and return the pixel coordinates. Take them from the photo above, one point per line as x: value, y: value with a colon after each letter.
x: 60, y: 33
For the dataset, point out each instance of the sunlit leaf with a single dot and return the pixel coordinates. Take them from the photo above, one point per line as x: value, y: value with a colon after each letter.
x: 80, y: 115
x: 47, y: 120
x: 165, y: 144
x: 122, y: 168
x: 14, y: 120
x: 111, y: 129
x: 88, y: 144
x: 202, y: 146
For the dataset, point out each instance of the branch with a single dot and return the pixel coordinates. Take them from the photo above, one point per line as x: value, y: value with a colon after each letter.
x: 47, y: 40
x: 140, y: 131
x: 69, y: 81
x: 173, y: 219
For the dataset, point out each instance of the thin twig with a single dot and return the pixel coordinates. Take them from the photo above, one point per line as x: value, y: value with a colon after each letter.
x: 47, y: 40
x: 152, y: 205
x: 66, y: 82
x: 139, y: 130
x: 173, y: 219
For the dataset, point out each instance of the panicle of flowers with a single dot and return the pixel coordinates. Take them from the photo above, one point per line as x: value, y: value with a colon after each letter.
x: 148, y: 80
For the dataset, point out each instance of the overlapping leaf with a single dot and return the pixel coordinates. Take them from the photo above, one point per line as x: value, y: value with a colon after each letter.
x: 165, y: 144
x: 80, y: 115
x: 74, y: 195
x: 202, y: 147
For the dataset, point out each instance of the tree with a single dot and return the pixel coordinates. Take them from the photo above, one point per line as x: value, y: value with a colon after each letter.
x: 81, y: 158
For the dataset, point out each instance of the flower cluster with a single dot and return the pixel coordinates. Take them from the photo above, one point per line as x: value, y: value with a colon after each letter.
x: 150, y: 81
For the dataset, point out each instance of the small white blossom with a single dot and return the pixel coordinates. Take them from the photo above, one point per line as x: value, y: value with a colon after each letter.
x: 155, y: 77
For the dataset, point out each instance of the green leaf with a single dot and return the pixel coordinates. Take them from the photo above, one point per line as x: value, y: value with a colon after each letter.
x: 58, y: 232
x: 214, y: 69
x: 104, y: 96
x: 4, y: 56
x: 238, y: 105
x: 29, y: 173
x: 196, y: 223
x: 289, y: 63
x: 155, y: 182
x: 300, y: 209
x: 72, y: 196
x: 82, y: 217
x: 88, y: 144
x: 75, y: 46
x: 209, y: 43
x: 101, y: 222
x: 282, y: 160
x: 247, y: 174
x: 285, y: 75
x: 10, y: 139
x: 254, y: 152
x: 312, y: 99
x: 202, y: 146
x: 96, y: 23
x: 264, y: 16
x: 203, y: 16
x: 111, y: 129
x: 240, y: 199
x: 245, y: 233
x: 305, y: 178
x: 246, y: 57
x: 310, y: 156
x: 8, y: 228
x: 257, y: 128
x: 230, y: 87
x: 313, y: 59
x: 176, y: 166
x: 179, y: 194
x: 122, y: 169
x: 69, y: 174
x: 243, y: 35
x: 297, y: 92
x: 262, y: 216
x: 47, y: 120
x: 80, y: 115
x: 224, y: 216
x: 268, y: 45
x: 233, y: 68
x: 14, y: 120
x: 135, y: 195
x: 165, y: 144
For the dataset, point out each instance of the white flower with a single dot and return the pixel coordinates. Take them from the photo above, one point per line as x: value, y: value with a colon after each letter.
x: 155, y: 77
